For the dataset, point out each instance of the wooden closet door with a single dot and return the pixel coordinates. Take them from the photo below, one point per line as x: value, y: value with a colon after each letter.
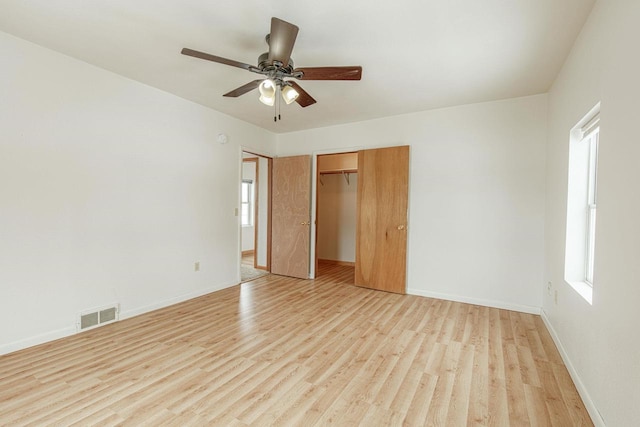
x: 381, y: 230
x: 291, y: 219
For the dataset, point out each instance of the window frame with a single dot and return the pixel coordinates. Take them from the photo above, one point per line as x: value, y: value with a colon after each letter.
x: 581, y: 206
x: 592, y: 139
x: 249, y: 186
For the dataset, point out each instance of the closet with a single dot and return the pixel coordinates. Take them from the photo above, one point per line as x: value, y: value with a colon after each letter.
x: 337, y: 186
x: 360, y: 217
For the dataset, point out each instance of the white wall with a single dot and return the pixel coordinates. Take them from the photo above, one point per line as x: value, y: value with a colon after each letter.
x: 109, y: 192
x: 476, y: 214
x: 337, y: 217
x: 600, y: 341
x: 248, y: 232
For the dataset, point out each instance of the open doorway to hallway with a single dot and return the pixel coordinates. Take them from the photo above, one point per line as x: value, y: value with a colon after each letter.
x: 255, y: 216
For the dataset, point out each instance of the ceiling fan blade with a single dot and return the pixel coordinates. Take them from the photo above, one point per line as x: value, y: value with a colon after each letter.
x: 304, y: 99
x: 219, y: 59
x: 331, y: 73
x: 243, y: 89
x: 281, y: 40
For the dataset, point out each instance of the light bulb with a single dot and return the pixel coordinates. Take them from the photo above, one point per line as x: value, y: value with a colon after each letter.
x: 267, y: 92
x: 289, y: 94
x: 267, y: 101
x: 267, y: 88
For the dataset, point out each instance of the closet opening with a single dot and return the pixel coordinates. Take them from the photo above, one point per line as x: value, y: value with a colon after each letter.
x: 336, y: 203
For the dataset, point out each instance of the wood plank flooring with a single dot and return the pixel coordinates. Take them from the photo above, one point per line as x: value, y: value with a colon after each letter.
x: 247, y: 260
x: 283, y: 351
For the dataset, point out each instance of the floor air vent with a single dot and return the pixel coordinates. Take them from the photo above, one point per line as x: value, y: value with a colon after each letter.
x: 97, y: 317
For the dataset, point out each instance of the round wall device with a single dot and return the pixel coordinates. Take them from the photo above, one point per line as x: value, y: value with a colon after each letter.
x: 222, y: 138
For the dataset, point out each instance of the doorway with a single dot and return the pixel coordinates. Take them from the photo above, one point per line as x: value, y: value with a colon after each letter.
x: 336, y: 204
x: 255, y: 216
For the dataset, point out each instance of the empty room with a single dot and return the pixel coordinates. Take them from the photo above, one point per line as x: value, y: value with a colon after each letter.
x: 319, y: 213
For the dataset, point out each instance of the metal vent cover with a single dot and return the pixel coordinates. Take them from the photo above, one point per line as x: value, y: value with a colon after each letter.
x: 93, y: 318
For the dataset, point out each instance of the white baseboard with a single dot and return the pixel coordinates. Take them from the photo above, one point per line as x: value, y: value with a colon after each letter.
x: 171, y: 301
x: 582, y: 391
x: 36, y: 340
x: 65, y: 332
x: 476, y: 301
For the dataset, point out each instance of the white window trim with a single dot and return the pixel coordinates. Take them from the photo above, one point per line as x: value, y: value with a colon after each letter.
x: 249, y: 203
x: 593, y: 138
x: 581, y: 205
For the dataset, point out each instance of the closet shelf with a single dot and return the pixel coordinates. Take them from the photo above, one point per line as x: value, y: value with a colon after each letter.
x: 331, y: 171
x: 344, y: 172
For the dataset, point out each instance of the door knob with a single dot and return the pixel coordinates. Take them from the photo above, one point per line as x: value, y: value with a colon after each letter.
x: 401, y: 227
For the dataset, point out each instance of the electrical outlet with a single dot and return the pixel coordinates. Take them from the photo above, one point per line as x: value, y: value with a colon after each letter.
x: 549, y: 286
x: 196, y: 266
x: 556, y: 297
x: 236, y: 212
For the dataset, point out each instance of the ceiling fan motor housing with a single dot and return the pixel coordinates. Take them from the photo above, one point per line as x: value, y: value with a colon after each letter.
x: 275, y: 66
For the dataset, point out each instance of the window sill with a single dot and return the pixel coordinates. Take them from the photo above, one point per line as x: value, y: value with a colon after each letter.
x: 584, y: 290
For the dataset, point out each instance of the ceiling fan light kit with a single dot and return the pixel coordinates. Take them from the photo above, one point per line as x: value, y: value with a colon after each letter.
x: 267, y: 91
x: 278, y: 68
x: 289, y: 94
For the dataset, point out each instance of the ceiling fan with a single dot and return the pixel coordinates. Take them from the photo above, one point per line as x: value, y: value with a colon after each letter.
x: 277, y: 66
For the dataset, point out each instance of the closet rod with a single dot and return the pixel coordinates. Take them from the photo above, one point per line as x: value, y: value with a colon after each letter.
x: 329, y: 172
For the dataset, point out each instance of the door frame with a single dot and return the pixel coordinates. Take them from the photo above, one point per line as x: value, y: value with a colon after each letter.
x: 314, y: 200
x: 256, y: 200
x: 316, y: 178
x: 269, y: 157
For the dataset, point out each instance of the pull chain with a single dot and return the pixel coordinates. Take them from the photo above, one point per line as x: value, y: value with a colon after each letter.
x: 278, y: 100
x: 276, y: 106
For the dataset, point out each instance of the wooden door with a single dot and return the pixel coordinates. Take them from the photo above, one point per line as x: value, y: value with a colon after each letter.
x: 381, y: 230
x: 290, y: 216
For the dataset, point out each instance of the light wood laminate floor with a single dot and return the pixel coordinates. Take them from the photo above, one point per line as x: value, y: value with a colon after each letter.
x: 247, y: 260
x: 282, y: 351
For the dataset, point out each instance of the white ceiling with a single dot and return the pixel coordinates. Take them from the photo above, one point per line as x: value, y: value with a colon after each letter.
x: 416, y: 54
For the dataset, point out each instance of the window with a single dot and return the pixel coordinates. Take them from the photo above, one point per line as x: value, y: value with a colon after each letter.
x: 581, y: 204
x: 246, y: 203
x: 592, y: 141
